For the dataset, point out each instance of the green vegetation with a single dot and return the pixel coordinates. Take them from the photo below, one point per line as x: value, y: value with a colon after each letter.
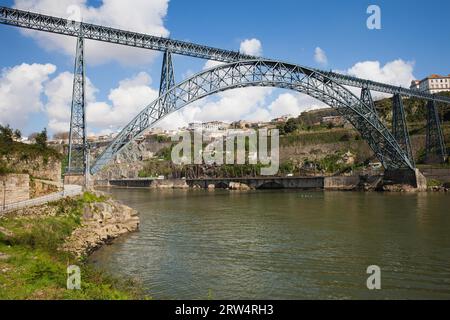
x: 12, y: 149
x: 433, y: 183
x: 35, y: 267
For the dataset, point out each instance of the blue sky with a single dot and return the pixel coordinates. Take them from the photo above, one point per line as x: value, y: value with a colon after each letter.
x: 415, y: 32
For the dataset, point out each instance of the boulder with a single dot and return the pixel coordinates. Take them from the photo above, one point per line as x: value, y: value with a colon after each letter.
x: 239, y: 186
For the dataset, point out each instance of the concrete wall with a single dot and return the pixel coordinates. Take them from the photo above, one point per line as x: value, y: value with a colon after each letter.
x: 341, y: 183
x: 262, y: 183
x: 437, y: 174
x: 413, y: 178
x: 74, y: 179
x: 14, y: 188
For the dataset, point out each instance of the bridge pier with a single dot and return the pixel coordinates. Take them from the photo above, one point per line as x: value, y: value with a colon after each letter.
x: 413, y: 178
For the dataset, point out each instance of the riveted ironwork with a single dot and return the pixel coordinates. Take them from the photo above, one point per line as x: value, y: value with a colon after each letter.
x: 77, y: 136
x: 46, y: 23
x: 267, y: 73
x: 399, y: 127
x: 435, y: 146
x: 167, y: 82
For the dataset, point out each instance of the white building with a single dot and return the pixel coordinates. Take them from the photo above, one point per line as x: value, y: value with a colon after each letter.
x: 432, y: 84
x: 212, y: 126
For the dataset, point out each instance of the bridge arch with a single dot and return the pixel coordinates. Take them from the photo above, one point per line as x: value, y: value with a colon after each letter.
x: 265, y: 73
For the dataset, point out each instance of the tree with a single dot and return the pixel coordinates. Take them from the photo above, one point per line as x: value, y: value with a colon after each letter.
x: 290, y: 126
x: 17, y: 134
x: 32, y: 137
x: 6, y: 134
x: 41, y: 138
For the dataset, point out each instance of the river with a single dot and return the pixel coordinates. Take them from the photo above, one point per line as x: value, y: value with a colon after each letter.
x: 198, y: 244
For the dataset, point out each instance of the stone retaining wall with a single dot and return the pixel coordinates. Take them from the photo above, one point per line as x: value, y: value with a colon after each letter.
x: 14, y: 188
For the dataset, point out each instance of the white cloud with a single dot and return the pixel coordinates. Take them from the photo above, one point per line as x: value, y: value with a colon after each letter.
x: 145, y: 16
x: 251, y: 47
x: 127, y: 100
x: 320, y: 57
x: 293, y: 104
x: 211, y: 64
x: 20, y: 92
x: 59, y: 100
x: 397, y: 72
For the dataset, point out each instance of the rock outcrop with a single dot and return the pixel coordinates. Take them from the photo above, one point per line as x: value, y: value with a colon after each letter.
x: 239, y: 186
x: 102, y: 222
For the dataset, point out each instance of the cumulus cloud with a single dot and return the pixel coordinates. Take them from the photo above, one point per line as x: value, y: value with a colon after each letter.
x: 211, y: 64
x: 397, y: 72
x: 20, y: 91
x: 59, y: 100
x: 126, y: 101
x: 145, y: 16
x: 251, y: 47
x: 293, y: 104
x: 320, y: 57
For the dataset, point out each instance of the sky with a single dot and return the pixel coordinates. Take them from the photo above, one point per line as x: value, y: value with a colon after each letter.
x: 36, y: 68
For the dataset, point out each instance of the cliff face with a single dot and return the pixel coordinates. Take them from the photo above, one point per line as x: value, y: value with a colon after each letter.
x: 130, y: 161
x: 38, y: 167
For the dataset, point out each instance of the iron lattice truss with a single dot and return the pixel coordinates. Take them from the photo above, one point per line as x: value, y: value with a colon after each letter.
x: 366, y: 97
x: 167, y: 83
x: 399, y: 127
x: 40, y: 22
x: 77, y: 138
x: 267, y: 73
x: 435, y: 146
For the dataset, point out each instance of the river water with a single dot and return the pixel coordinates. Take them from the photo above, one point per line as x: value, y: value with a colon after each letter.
x: 200, y: 244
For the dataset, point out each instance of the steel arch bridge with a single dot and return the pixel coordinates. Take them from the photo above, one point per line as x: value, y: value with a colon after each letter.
x: 392, y: 149
x: 266, y: 73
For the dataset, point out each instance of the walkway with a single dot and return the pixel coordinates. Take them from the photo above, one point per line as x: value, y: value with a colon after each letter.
x: 69, y: 191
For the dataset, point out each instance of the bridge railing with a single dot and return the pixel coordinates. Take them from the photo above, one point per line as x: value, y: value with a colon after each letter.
x: 69, y: 191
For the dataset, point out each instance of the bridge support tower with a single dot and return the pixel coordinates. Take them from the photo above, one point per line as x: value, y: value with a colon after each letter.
x: 399, y: 127
x: 435, y: 146
x: 167, y: 82
x: 77, y: 170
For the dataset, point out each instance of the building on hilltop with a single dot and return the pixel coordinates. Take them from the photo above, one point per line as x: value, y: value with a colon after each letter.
x: 334, y: 120
x: 282, y: 119
x: 213, y: 126
x: 432, y: 84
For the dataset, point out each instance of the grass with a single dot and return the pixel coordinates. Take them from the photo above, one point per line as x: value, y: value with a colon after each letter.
x: 433, y: 183
x: 37, y: 269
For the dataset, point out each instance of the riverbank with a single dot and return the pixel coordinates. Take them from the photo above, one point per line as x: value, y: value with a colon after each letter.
x: 390, y: 181
x: 38, y: 244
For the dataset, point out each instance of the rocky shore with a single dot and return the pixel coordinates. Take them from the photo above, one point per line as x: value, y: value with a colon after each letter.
x: 101, y: 222
x: 37, y: 245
